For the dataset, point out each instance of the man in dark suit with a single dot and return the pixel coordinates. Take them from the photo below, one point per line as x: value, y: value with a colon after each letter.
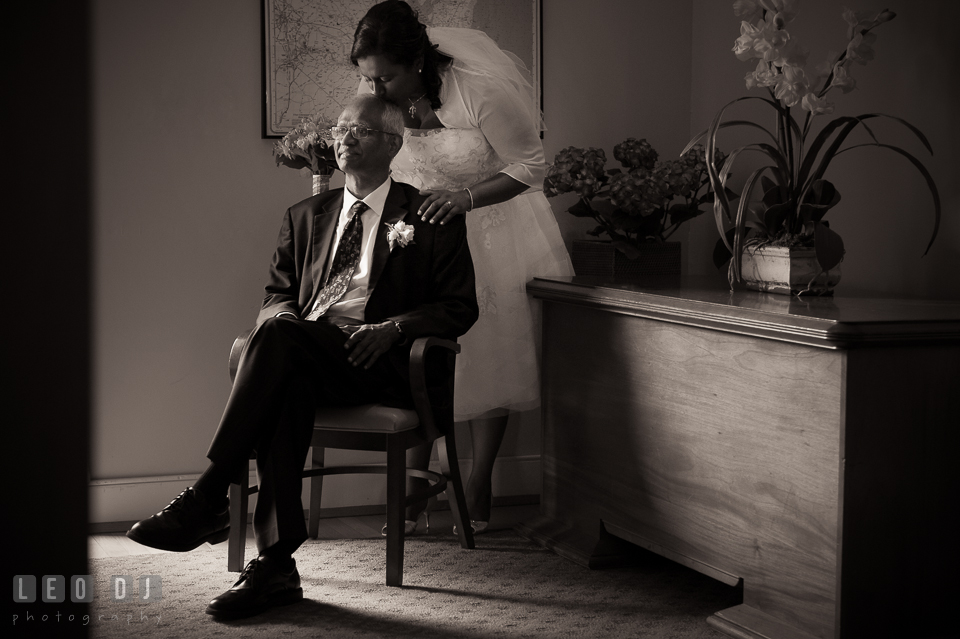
x: 356, y: 276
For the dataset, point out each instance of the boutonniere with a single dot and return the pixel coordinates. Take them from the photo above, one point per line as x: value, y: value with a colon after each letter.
x: 399, y: 233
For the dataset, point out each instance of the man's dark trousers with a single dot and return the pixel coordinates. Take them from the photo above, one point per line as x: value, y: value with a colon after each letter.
x: 287, y: 369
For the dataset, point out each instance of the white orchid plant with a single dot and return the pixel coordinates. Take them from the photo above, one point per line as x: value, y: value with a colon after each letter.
x: 794, y: 196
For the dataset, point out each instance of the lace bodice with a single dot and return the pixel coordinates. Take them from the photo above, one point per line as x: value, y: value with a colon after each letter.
x: 445, y: 158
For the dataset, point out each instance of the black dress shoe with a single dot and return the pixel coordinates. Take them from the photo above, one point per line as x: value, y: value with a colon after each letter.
x: 184, y: 524
x: 263, y: 584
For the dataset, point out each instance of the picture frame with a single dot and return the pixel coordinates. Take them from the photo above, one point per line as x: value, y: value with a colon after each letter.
x: 305, y: 49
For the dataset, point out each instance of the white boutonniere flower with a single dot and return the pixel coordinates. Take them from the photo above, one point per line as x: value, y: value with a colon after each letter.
x: 399, y: 233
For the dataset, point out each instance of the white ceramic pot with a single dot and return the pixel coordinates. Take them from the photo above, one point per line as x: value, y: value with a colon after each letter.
x: 778, y: 269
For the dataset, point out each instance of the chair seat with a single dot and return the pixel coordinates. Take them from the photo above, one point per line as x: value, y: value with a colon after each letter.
x: 368, y: 418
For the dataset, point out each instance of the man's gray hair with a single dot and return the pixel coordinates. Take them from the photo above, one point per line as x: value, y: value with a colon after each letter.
x: 391, y: 116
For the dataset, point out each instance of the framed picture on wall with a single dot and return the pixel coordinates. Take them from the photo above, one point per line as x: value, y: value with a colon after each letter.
x: 306, y: 49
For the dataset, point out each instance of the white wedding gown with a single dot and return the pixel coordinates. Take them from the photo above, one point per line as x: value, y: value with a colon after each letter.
x: 511, y: 243
x: 486, y: 132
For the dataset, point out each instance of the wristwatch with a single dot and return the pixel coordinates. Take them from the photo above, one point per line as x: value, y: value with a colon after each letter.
x: 399, y: 328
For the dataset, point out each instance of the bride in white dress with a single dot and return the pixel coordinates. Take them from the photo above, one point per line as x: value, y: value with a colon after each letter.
x: 472, y: 140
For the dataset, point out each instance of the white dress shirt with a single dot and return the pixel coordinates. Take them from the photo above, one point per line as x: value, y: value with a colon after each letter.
x: 355, y: 299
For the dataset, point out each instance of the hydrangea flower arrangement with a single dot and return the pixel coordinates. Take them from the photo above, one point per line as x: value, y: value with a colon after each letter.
x: 645, y: 201
x: 793, y: 194
x: 306, y: 148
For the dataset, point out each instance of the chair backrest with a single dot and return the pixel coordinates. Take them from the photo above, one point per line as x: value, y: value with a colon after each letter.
x: 432, y: 366
x: 235, y: 352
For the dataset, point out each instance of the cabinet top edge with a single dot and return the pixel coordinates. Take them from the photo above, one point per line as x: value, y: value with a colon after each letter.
x: 829, y: 322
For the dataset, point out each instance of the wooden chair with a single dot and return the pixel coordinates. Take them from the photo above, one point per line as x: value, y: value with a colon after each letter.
x: 379, y: 428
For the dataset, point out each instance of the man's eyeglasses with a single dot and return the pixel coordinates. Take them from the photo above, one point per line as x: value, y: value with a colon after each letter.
x: 358, y: 131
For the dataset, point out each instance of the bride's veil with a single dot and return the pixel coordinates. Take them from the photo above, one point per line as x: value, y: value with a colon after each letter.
x: 475, y: 52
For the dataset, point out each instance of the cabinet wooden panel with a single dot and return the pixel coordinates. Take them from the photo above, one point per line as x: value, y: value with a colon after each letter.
x: 806, y: 451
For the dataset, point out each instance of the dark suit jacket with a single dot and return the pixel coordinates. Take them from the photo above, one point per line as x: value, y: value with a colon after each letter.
x: 428, y: 285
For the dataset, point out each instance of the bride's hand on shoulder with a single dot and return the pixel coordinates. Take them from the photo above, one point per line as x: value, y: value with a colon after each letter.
x: 442, y: 206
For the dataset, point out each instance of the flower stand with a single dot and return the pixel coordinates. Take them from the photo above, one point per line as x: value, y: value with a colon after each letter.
x: 600, y: 259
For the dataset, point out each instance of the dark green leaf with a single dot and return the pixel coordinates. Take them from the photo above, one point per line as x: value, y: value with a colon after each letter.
x: 629, y: 223
x: 721, y: 254
x: 760, y: 227
x: 773, y: 195
x: 680, y: 213
x: 651, y: 225
x: 293, y: 163
x: 581, y: 209
x: 813, y: 150
x: 775, y: 217
x: 766, y: 184
x: 710, y: 197
x: 821, y: 197
x: 829, y: 246
x: 822, y: 193
x: 725, y: 125
x: 631, y: 251
x: 739, y: 224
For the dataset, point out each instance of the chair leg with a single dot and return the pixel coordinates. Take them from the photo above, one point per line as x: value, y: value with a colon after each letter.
x: 396, y: 498
x: 316, y: 491
x: 239, y: 504
x: 450, y: 468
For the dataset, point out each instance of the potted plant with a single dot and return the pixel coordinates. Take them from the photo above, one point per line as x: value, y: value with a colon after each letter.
x: 786, y: 220
x: 637, y: 206
x: 306, y: 148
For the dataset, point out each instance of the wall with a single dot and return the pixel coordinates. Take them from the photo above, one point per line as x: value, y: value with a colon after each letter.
x: 618, y: 70
x: 188, y: 204
x: 885, y: 216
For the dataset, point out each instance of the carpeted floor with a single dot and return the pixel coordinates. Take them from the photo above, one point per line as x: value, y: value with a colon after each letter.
x: 507, y: 587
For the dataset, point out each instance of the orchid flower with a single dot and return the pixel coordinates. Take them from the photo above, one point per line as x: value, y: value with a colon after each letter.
x: 791, y: 85
x: 815, y: 105
x: 841, y: 79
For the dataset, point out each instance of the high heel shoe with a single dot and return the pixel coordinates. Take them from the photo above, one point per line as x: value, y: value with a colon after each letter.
x: 410, y: 525
x: 477, y: 526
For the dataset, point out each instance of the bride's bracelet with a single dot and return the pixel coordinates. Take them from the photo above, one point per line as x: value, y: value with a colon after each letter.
x: 471, y: 199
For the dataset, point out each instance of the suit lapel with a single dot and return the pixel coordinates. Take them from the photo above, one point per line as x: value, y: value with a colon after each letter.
x: 394, y: 210
x: 324, y: 227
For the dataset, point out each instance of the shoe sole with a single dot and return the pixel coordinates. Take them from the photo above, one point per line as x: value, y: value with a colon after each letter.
x: 283, y: 598
x: 477, y: 531
x: 212, y: 538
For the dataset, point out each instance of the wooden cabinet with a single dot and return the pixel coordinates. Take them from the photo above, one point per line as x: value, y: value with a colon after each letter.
x: 808, y: 447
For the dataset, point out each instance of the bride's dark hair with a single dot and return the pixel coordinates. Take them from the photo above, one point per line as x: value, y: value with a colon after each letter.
x: 393, y: 29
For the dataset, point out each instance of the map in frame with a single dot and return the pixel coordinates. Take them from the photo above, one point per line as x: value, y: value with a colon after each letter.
x: 306, y: 49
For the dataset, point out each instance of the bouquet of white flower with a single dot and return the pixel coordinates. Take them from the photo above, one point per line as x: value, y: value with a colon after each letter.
x: 306, y: 148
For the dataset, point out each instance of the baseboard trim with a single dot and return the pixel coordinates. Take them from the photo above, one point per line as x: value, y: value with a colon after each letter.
x: 104, y: 527
x: 116, y: 504
x: 505, y: 501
